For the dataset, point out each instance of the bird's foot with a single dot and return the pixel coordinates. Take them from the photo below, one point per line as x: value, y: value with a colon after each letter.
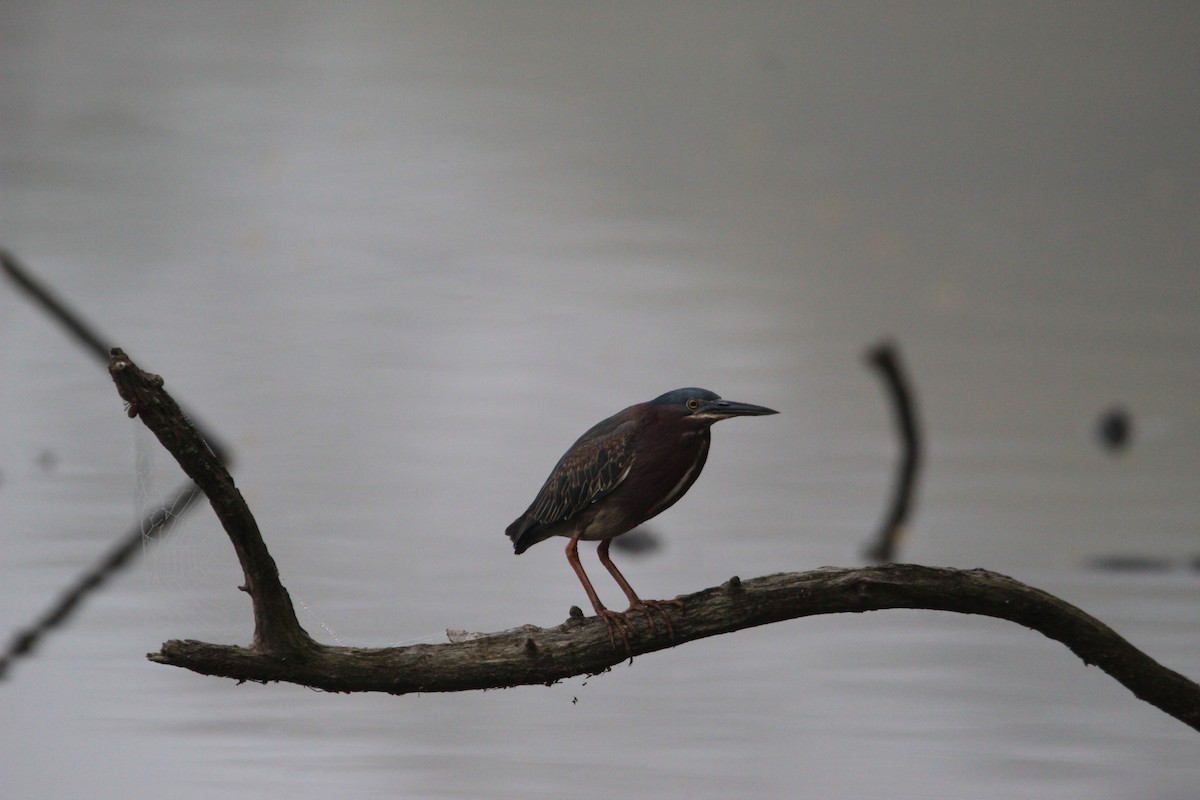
x: 648, y: 607
x: 617, y: 623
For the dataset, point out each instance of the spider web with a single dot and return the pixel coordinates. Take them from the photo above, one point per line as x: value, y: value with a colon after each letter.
x: 186, y: 561
x: 191, y: 561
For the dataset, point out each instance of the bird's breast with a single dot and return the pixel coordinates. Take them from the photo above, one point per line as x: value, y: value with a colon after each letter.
x: 681, y: 486
x: 662, y: 473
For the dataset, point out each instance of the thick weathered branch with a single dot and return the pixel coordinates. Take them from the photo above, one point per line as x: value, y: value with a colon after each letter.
x: 532, y: 655
x: 282, y: 651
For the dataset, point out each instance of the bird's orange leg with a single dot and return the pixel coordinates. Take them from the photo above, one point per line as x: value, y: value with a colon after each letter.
x: 636, y: 603
x: 614, y: 621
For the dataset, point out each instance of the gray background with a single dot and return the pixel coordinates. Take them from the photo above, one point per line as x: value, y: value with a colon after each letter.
x: 399, y: 255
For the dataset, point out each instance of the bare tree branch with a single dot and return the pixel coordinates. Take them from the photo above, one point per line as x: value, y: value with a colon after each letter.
x: 276, y: 629
x: 282, y: 651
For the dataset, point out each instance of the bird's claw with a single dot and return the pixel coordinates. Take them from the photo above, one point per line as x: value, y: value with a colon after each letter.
x: 646, y: 607
x: 617, y: 623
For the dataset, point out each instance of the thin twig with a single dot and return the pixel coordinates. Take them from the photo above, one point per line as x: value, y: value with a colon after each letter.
x: 25, y: 641
x: 152, y: 526
x: 41, y: 294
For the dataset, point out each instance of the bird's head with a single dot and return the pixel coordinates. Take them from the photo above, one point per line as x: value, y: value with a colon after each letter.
x: 703, y: 406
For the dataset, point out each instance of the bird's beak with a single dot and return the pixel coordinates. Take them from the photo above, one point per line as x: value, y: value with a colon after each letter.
x: 724, y: 409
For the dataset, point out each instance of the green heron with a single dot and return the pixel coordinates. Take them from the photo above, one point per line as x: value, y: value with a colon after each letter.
x: 623, y: 471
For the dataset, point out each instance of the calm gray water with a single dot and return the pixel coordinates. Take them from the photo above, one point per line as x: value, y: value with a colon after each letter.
x: 400, y: 255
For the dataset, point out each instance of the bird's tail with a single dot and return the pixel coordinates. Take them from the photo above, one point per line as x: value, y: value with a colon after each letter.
x: 523, y: 533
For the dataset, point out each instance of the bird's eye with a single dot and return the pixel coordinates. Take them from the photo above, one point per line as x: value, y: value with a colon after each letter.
x: 693, y: 404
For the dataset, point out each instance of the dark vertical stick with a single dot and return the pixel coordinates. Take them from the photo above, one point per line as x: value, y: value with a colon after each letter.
x: 885, y: 358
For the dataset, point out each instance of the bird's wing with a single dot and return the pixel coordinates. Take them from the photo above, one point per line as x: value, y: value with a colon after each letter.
x: 593, y: 467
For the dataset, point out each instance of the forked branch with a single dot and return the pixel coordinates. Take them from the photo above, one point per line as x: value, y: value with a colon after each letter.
x: 282, y: 651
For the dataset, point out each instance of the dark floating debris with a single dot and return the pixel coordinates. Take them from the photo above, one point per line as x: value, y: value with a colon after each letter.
x: 1114, y: 429
x: 1132, y: 563
x: 47, y: 460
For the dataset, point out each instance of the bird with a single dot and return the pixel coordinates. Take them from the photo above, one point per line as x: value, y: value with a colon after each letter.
x: 623, y: 471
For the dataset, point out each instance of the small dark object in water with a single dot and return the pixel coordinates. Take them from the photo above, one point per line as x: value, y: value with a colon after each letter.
x: 1130, y: 563
x: 1114, y: 430
x: 47, y: 460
